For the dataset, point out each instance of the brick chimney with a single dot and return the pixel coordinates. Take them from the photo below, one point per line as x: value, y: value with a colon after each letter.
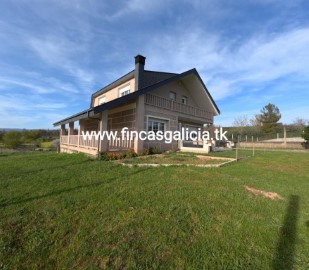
x: 139, y: 70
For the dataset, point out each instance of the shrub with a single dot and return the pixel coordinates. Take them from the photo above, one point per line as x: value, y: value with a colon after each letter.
x: 130, y: 154
x: 117, y: 155
x: 145, y: 152
x: 12, y: 139
x: 305, y: 134
x: 154, y: 150
x: 1, y: 135
x: 31, y: 136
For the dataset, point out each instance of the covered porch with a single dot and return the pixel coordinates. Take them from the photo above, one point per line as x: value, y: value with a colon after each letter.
x: 196, y: 145
x: 86, y: 133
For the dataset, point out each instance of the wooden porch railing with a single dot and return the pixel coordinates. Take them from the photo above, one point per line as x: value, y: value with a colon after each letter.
x: 169, y: 104
x: 78, y: 141
x: 120, y: 144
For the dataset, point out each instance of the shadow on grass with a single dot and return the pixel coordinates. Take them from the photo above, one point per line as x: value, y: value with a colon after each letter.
x: 284, y: 257
x: 58, y: 192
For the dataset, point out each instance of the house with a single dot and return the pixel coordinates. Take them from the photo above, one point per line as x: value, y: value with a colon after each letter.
x: 141, y: 100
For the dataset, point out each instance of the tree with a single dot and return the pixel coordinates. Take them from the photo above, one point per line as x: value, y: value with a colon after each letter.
x: 31, y: 135
x: 269, y: 117
x: 299, y: 122
x: 1, y: 135
x: 241, y: 121
x: 305, y: 134
x: 239, y: 124
x: 12, y: 139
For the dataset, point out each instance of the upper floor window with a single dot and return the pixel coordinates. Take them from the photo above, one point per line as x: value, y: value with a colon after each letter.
x: 124, y: 91
x: 184, y: 100
x: 172, y: 95
x: 102, y: 100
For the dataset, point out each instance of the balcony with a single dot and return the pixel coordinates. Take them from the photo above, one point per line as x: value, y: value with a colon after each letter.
x: 172, y: 105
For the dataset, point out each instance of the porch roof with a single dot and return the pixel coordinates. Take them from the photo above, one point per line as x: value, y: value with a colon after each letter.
x: 75, y: 117
x: 91, y: 112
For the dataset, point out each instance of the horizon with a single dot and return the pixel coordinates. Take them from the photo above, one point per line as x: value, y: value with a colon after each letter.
x: 55, y: 55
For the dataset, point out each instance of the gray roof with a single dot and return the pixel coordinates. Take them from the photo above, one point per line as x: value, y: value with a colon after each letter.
x: 151, y: 80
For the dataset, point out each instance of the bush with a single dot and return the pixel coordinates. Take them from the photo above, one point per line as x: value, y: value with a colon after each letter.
x: 12, y: 139
x: 1, y: 135
x: 130, y: 154
x: 31, y: 136
x: 154, y: 150
x: 145, y: 152
x: 116, y: 155
x: 305, y: 134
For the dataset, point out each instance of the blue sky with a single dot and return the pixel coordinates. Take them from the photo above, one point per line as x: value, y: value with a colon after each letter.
x: 54, y: 54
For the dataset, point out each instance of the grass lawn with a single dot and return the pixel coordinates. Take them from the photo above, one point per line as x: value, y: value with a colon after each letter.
x: 46, y: 144
x: 61, y: 211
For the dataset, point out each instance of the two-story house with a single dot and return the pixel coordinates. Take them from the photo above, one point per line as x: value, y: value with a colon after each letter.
x: 141, y: 100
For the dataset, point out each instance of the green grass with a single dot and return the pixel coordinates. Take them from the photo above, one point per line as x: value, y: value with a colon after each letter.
x: 60, y: 211
x: 46, y: 144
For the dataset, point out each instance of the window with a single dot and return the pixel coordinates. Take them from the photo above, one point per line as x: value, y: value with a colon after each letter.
x: 124, y: 91
x: 173, y: 95
x: 156, y: 125
x: 102, y: 100
x: 184, y: 100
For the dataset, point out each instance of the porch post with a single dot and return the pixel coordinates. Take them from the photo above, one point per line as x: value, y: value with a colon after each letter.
x: 180, y: 142
x: 71, y: 131
x: 140, y: 122
x: 78, y: 134
x: 71, y: 128
x: 62, y: 130
x: 103, y: 144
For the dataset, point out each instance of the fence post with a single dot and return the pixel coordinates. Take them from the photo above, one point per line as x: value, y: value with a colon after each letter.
x: 253, y: 149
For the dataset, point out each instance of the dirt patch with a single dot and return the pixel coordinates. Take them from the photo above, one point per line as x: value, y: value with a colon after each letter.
x: 270, y: 195
x: 211, y: 157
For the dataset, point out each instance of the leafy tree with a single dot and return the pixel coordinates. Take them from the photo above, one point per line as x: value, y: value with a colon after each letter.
x: 305, y: 134
x: 12, y: 139
x: 269, y: 117
x: 31, y: 135
x: 1, y: 135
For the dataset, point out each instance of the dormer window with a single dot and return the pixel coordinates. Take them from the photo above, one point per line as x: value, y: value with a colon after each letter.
x: 102, y: 100
x: 184, y: 100
x: 172, y: 95
x: 124, y: 91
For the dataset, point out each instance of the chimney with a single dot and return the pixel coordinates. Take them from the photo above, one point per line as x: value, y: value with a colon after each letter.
x: 139, y: 70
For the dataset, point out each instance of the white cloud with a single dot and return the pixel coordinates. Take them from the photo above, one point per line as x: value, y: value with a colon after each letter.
x: 63, y: 54
x: 37, y: 84
x: 225, y: 70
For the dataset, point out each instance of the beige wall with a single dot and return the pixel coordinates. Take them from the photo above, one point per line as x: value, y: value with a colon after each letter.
x: 114, y: 93
x: 89, y: 124
x: 179, y: 89
x: 119, y: 120
x: 171, y: 120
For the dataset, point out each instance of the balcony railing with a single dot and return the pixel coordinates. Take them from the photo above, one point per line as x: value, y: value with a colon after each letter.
x: 169, y: 104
